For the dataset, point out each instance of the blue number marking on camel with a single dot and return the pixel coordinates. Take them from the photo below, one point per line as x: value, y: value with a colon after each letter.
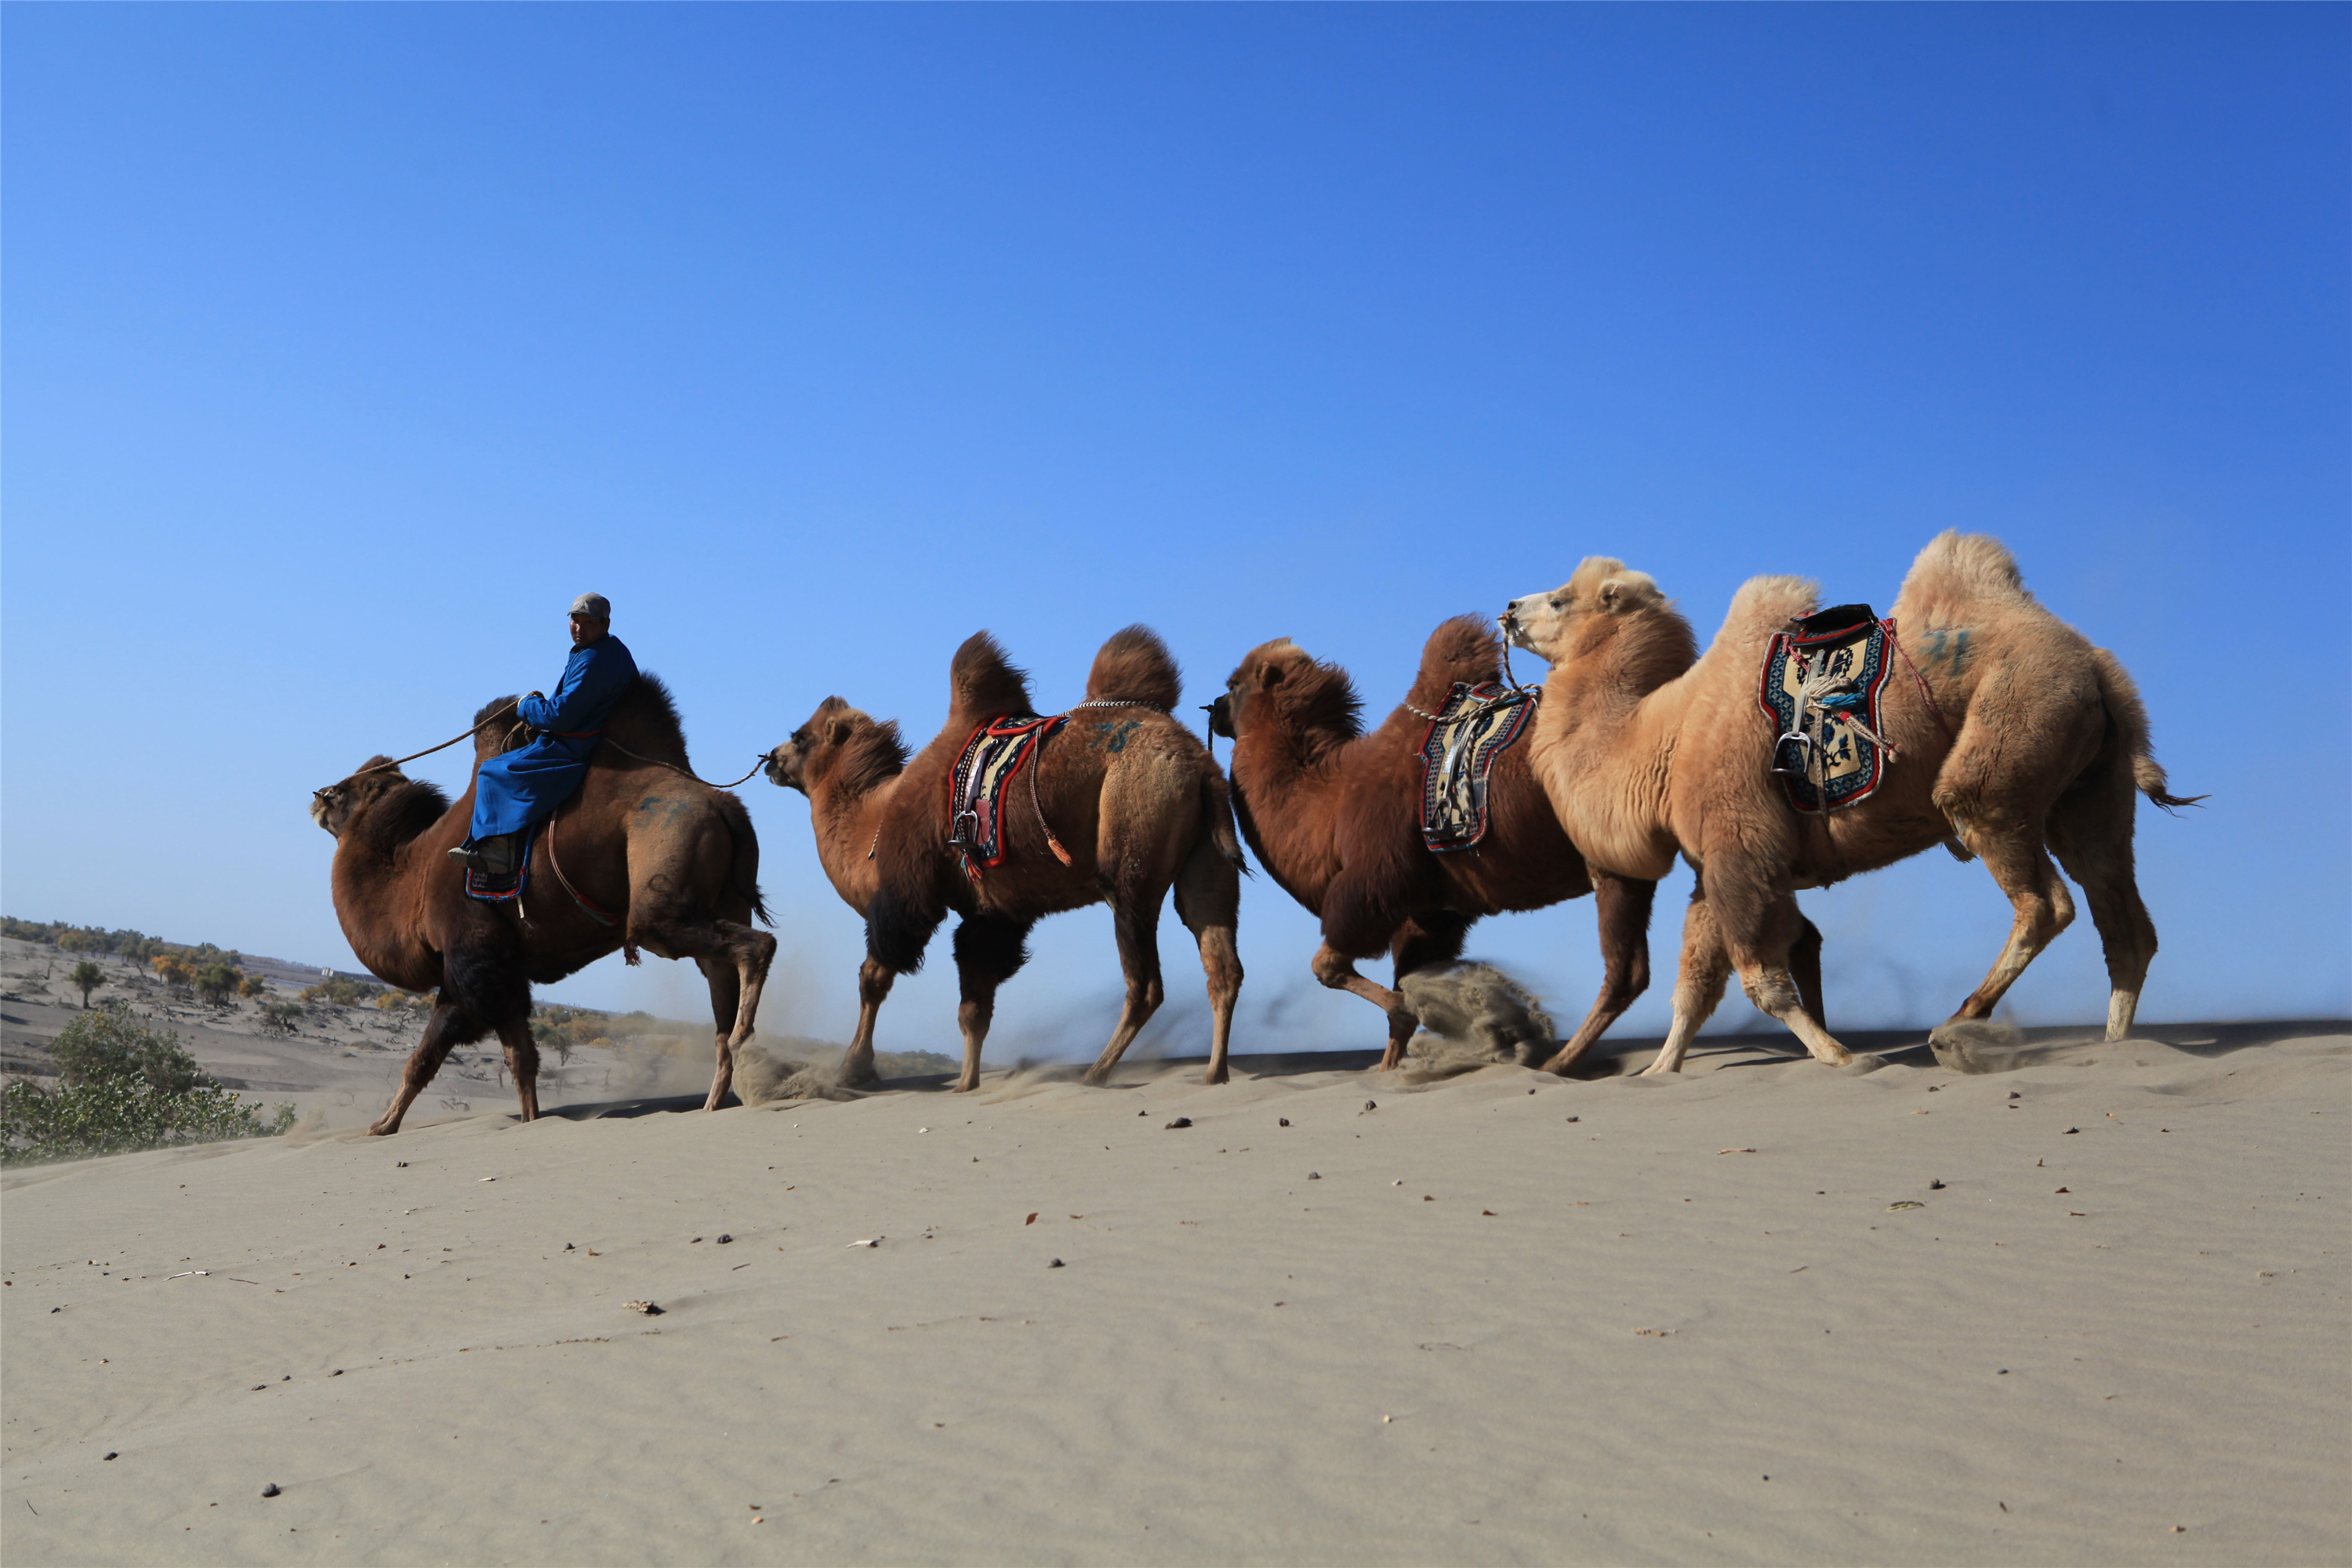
x: 1115, y: 735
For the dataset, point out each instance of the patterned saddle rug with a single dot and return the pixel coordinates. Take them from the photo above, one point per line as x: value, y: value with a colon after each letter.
x: 976, y: 786
x: 1474, y: 725
x: 1820, y: 686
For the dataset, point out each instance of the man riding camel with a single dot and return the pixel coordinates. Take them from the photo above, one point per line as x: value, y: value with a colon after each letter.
x: 515, y: 791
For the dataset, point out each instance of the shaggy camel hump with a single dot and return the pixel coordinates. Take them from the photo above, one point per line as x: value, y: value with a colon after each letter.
x: 1135, y: 666
x: 984, y: 684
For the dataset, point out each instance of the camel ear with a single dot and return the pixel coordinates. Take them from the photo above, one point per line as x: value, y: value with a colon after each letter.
x: 1620, y: 594
x: 838, y: 731
x: 1269, y: 675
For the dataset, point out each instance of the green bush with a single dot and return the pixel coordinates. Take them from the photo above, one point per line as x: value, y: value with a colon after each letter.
x: 86, y: 977
x: 342, y: 992
x: 281, y: 1016
x: 216, y: 983
x: 123, y: 1086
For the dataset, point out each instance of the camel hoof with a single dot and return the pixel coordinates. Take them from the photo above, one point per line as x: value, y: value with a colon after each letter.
x: 1659, y: 1069
x: 1215, y: 1078
x: 1956, y: 1042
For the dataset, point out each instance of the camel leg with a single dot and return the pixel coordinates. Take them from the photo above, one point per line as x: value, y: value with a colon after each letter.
x: 2091, y: 833
x: 725, y: 1001
x: 1137, y: 921
x: 448, y: 1027
x: 874, y: 983
x: 723, y: 943
x: 2042, y: 910
x: 1208, y: 900
x: 522, y: 1061
x: 1805, y: 968
x: 989, y: 951
x: 1339, y: 971
x: 1699, y: 981
x: 1760, y: 924
x: 1623, y: 905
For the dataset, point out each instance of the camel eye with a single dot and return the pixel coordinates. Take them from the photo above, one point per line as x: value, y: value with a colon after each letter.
x: 1556, y: 604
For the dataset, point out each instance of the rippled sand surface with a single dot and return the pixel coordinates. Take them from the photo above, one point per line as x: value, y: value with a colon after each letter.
x: 2091, y: 1308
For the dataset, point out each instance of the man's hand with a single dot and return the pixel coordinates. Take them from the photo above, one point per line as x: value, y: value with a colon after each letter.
x: 534, y: 694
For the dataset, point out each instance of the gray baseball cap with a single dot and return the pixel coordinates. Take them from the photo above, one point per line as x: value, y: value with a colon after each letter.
x: 596, y: 606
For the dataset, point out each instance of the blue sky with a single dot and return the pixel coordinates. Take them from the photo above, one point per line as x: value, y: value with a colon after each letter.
x: 345, y: 344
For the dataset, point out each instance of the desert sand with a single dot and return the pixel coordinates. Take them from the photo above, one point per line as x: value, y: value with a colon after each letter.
x: 2090, y: 1308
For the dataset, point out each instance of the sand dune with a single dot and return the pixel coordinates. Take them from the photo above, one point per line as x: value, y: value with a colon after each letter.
x: 1499, y: 1318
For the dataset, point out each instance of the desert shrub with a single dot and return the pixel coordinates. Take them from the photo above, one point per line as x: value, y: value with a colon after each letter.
x: 174, y: 970
x: 342, y: 992
x: 121, y: 1087
x: 281, y: 1017
x: 86, y: 978
x: 253, y: 986
x: 399, y: 1001
x: 216, y: 983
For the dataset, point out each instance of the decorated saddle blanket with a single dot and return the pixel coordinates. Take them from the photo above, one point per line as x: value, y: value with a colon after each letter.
x: 976, y: 786
x: 1820, y: 686
x: 1474, y: 726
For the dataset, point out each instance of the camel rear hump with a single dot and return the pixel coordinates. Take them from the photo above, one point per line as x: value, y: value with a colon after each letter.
x: 1957, y: 572
x: 1135, y: 666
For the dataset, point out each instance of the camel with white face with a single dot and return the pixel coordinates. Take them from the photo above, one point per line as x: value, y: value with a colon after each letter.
x: 2034, y: 744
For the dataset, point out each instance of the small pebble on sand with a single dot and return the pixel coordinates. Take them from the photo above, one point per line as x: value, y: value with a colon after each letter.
x: 269, y: 1491
x: 1055, y: 1263
x: 1180, y: 1121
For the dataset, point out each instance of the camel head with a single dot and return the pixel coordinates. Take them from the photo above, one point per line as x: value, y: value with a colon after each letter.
x: 1547, y: 625
x: 836, y: 734
x: 333, y: 808
x: 1282, y: 680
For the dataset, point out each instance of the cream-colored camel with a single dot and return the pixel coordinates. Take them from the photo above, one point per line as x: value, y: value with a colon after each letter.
x: 2035, y: 745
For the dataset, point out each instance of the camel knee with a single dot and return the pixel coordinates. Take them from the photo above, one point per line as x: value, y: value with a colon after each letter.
x: 1770, y: 990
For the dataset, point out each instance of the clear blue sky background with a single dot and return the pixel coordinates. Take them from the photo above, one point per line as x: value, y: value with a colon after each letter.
x: 344, y: 344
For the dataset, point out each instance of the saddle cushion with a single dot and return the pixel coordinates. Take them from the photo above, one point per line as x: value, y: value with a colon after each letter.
x: 1474, y: 725
x: 1828, y: 755
x: 976, y: 785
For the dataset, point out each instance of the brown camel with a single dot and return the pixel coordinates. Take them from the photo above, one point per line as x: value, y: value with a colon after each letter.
x: 2034, y: 743
x: 670, y: 864
x: 1334, y: 814
x: 1132, y: 796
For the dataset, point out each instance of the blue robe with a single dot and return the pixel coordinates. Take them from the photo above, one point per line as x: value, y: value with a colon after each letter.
x: 517, y: 790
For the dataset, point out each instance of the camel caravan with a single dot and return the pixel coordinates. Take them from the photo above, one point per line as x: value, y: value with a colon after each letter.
x: 1805, y: 745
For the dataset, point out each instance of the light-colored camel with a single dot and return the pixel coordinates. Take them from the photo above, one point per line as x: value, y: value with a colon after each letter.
x: 2034, y: 744
x: 671, y: 862
x: 1133, y: 797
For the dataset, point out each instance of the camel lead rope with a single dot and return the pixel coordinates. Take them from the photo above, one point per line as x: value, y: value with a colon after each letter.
x: 445, y: 746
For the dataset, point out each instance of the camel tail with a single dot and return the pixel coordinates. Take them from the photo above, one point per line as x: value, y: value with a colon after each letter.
x: 1135, y: 666
x: 2129, y: 716
x: 743, y: 867
x: 983, y: 684
x: 1217, y: 813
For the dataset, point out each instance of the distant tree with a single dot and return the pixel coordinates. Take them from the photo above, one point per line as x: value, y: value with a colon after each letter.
x: 342, y: 992
x: 281, y: 1017
x: 253, y: 986
x: 87, y: 977
x: 174, y: 972
x: 70, y: 941
x: 216, y: 983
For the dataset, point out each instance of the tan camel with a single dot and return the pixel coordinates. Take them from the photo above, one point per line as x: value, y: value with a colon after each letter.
x: 670, y: 864
x: 1132, y: 796
x: 2034, y: 744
